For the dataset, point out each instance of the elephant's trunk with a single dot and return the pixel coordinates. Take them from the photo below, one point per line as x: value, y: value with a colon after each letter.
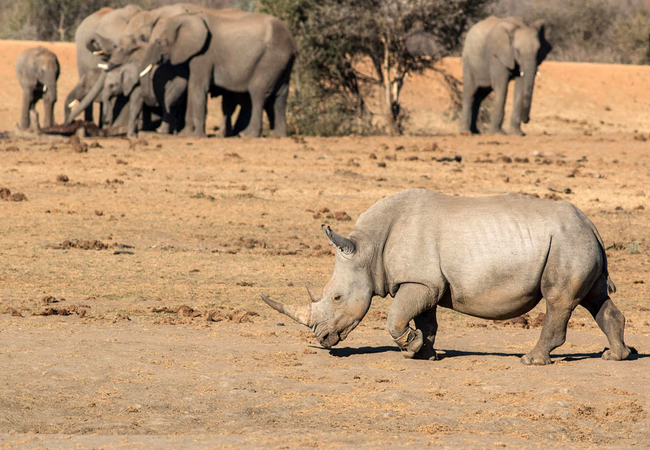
x: 301, y: 314
x: 528, y: 83
x: 88, y: 99
x: 107, y: 110
x: 49, y: 99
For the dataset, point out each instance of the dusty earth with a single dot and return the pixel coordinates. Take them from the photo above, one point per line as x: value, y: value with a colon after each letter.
x: 129, y: 273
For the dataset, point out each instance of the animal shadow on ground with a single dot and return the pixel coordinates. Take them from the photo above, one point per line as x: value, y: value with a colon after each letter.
x: 443, y: 354
x: 348, y: 351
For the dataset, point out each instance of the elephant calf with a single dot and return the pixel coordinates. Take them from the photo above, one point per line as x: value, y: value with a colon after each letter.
x: 38, y: 71
x: 495, y: 52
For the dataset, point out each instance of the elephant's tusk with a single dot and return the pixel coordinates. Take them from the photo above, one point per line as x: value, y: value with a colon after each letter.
x: 539, y: 74
x: 73, y: 103
x: 44, y: 89
x: 103, y: 66
x: 146, y: 70
x: 98, y: 52
x: 521, y: 74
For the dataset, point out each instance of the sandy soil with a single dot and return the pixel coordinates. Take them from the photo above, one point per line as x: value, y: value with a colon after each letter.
x: 129, y: 273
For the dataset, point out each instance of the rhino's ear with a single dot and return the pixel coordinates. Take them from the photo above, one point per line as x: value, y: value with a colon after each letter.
x: 344, y: 244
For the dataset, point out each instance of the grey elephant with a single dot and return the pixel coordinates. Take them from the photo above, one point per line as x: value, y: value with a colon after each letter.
x: 118, y: 48
x: 496, y: 51
x: 110, y: 46
x: 38, y: 71
x: 110, y: 21
x: 490, y: 257
x: 164, y: 88
x: 233, y: 50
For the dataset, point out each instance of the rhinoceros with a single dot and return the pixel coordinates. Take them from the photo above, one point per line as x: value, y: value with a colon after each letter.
x: 491, y: 257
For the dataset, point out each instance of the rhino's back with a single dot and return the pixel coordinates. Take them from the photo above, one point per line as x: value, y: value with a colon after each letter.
x: 490, y: 252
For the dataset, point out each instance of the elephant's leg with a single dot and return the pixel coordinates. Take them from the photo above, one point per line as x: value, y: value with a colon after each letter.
x: 467, y: 119
x: 500, y: 93
x: 197, y: 97
x: 279, y: 124
x: 428, y: 324
x: 411, y: 301
x: 269, y: 108
x: 479, y: 95
x: 258, y: 98
x: 244, y: 116
x: 610, y: 320
x: 136, y: 104
x: 228, y: 107
x: 28, y: 104
x: 174, y: 92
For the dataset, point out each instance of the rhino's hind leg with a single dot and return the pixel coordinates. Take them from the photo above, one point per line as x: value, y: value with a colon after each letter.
x: 610, y: 320
x: 553, y: 334
x: 413, y: 302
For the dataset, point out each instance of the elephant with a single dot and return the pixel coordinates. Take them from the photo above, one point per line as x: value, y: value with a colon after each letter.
x: 38, y: 71
x: 110, y: 21
x: 115, y: 45
x: 117, y: 48
x: 498, y: 50
x: 238, y: 51
x: 164, y: 87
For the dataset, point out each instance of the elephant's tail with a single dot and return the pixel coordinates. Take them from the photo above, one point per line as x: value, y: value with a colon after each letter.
x: 296, y: 72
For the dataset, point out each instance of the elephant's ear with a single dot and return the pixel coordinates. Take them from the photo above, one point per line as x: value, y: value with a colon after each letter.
x: 500, y: 44
x: 100, y: 45
x: 423, y: 44
x: 544, y: 33
x: 130, y: 78
x: 191, y: 36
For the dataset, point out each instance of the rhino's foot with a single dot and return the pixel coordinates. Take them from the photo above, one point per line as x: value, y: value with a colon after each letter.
x: 532, y: 359
x: 426, y: 353
x: 410, y: 343
x: 618, y: 355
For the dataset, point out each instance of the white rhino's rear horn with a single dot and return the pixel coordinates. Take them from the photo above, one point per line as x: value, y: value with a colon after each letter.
x: 311, y: 297
x: 301, y: 314
x: 344, y: 244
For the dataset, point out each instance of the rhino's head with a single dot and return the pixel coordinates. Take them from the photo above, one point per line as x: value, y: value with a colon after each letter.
x: 345, y: 299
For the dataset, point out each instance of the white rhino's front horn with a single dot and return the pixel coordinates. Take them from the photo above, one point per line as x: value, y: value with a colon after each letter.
x: 301, y: 314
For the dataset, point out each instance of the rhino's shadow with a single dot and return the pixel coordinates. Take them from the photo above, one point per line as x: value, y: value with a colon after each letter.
x: 444, y: 354
x: 349, y: 351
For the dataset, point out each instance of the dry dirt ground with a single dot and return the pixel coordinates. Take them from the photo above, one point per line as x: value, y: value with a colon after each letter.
x: 129, y: 273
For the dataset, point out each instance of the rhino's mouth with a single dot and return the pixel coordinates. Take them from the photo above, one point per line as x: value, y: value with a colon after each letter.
x: 329, y: 340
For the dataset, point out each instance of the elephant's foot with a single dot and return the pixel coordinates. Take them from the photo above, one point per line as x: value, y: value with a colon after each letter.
x: 410, y: 343
x: 618, y: 354
x: 132, y: 135
x: 497, y: 131
x: 163, y: 128
x: 515, y: 131
x: 536, y: 359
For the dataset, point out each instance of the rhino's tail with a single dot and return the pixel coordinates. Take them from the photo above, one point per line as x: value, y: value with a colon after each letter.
x: 611, y: 287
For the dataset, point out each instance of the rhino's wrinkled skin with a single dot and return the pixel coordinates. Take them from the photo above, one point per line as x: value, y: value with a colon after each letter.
x: 490, y: 257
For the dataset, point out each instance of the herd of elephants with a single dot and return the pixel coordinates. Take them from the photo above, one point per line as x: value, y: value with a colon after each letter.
x: 167, y: 61
x: 491, y: 257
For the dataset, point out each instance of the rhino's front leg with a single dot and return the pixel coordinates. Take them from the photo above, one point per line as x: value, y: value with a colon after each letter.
x: 413, y: 302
